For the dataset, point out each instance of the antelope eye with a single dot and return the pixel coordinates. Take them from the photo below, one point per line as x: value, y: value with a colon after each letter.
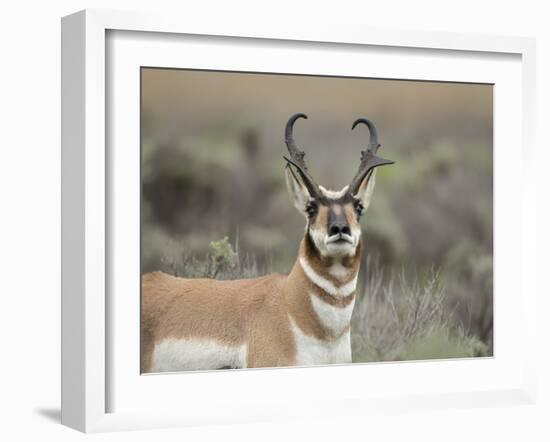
x: 358, y: 206
x: 311, y: 209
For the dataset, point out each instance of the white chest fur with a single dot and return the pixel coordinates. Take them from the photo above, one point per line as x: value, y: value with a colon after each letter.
x: 313, y: 351
x: 333, y: 318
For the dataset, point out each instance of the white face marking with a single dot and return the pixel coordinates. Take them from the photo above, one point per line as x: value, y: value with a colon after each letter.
x: 313, y: 351
x: 334, y: 318
x: 333, y: 194
x: 184, y: 354
x: 335, y: 249
x: 325, y: 284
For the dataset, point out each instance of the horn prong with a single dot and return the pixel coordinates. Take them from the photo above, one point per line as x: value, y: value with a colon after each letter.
x: 310, y: 185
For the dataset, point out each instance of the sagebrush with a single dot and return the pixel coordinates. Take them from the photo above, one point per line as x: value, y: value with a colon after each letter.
x: 396, y: 316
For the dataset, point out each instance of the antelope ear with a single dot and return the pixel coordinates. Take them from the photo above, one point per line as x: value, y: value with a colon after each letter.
x: 298, y: 192
x: 364, y: 193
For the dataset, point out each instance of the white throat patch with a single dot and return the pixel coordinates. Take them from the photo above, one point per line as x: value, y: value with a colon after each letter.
x: 339, y: 271
x: 325, y: 284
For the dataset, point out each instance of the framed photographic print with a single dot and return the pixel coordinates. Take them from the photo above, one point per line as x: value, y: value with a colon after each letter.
x: 262, y: 223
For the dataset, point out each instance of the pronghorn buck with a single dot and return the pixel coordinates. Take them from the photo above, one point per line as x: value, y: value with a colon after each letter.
x: 274, y: 320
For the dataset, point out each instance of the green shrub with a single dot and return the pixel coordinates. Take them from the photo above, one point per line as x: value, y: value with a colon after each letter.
x: 222, y: 255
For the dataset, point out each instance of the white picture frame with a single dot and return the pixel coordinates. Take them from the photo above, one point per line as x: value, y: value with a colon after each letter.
x: 88, y: 207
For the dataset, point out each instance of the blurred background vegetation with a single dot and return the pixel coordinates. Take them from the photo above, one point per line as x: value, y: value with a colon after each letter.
x: 214, y: 202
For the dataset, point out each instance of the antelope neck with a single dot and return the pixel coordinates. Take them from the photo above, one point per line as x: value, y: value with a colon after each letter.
x: 326, y: 285
x: 330, y: 279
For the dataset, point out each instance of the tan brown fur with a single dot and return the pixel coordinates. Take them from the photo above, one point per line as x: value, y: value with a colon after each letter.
x: 321, y: 220
x: 234, y: 312
x: 252, y: 311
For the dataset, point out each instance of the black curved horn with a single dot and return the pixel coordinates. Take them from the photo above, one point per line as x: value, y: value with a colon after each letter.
x: 373, y: 133
x: 297, y: 156
x: 369, y: 160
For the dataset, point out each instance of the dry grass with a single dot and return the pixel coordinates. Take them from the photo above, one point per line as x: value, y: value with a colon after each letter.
x: 397, y: 317
x: 406, y: 317
x: 222, y: 261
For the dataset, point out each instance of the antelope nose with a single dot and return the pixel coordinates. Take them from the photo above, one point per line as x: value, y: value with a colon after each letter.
x: 338, y: 229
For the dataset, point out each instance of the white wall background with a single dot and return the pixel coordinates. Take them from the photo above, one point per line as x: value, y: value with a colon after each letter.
x: 30, y: 215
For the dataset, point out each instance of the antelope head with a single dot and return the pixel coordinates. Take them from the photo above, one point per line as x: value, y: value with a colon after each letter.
x: 333, y: 217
